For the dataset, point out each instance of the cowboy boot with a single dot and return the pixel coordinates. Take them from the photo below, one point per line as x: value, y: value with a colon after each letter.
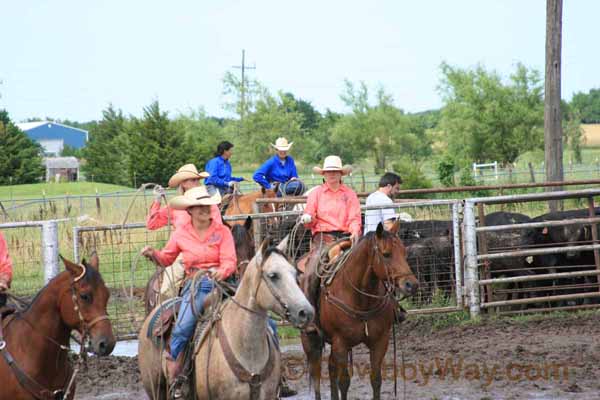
x: 284, y: 389
x: 312, y: 295
x: 174, y: 368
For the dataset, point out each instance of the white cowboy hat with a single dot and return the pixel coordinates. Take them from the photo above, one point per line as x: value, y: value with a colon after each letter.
x: 188, y: 171
x: 282, y: 144
x: 333, y: 163
x: 197, y: 196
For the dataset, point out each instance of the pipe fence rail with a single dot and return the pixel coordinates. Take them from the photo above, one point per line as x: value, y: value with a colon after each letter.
x: 516, y: 264
x: 462, y: 258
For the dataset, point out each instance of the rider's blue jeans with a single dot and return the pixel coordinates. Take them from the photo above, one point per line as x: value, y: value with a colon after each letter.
x: 186, y: 319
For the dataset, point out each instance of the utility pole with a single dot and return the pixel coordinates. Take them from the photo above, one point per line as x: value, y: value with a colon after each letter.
x: 243, y: 67
x: 552, y: 117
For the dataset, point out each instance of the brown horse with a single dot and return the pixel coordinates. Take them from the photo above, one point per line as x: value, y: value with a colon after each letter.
x: 37, y: 339
x: 359, y: 306
x: 240, y: 204
x: 244, y: 245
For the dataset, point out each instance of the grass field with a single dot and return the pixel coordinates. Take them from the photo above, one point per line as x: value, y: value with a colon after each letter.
x: 39, y: 190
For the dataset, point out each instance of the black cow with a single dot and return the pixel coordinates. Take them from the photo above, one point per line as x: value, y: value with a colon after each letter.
x: 509, y: 240
x: 411, y: 232
x: 432, y: 261
x: 568, y: 235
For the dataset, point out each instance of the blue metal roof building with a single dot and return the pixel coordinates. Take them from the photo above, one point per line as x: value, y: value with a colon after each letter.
x: 54, y: 136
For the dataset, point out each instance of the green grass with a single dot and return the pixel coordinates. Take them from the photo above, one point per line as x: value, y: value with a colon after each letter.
x: 39, y: 190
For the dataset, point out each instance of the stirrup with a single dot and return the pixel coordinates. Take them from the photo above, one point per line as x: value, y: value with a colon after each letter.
x: 176, y: 388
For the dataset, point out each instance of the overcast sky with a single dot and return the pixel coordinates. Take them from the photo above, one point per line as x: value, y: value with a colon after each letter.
x: 70, y: 59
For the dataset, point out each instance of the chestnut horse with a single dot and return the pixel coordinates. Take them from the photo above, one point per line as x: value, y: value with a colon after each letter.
x: 359, y: 306
x: 37, y: 339
x: 240, y: 204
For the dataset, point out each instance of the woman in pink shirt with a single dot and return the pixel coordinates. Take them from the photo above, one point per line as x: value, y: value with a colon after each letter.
x: 332, y: 212
x: 205, y: 245
x: 5, y: 270
x: 187, y: 177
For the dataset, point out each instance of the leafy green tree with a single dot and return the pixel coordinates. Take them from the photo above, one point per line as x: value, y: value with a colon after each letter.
x: 587, y: 105
x: 156, y: 147
x: 20, y: 157
x: 377, y: 131
x: 106, y: 152
x: 485, y: 119
x: 573, y: 133
x: 262, y: 118
x: 202, y: 135
x: 70, y: 151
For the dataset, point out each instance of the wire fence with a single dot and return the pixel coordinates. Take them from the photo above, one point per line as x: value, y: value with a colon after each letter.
x: 519, y: 258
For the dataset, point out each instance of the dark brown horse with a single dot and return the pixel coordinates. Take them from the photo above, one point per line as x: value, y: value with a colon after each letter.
x: 359, y: 306
x: 37, y: 339
x: 244, y: 245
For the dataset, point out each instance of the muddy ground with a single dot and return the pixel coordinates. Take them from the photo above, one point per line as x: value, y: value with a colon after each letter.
x: 549, y: 358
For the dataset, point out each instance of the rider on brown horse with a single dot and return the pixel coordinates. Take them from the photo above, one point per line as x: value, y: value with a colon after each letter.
x: 332, y: 212
x: 280, y: 169
x: 5, y: 270
x: 219, y: 168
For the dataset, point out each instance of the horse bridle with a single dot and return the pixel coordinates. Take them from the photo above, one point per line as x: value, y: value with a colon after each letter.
x: 31, y: 385
x: 385, y: 298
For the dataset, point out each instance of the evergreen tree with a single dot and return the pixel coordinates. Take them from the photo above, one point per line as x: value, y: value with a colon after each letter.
x: 20, y: 157
x: 156, y: 147
x: 106, y: 152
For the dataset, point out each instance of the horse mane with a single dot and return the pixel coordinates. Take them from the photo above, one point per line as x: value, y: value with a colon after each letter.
x: 238, y: 232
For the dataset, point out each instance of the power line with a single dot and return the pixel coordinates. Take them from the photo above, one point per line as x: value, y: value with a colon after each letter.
x: 243, y: 67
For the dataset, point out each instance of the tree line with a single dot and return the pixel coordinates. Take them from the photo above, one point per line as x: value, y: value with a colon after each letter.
x: 484, y: 117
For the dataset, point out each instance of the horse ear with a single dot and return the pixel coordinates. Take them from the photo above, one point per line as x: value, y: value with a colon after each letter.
x: 263, y: 190
x: 265, y: 245
x: 282, y: 246
x: 248, y: 223
x: 396, y: 227
x: 73, y: 268
x: 94, y: 261
x: 379, y: 231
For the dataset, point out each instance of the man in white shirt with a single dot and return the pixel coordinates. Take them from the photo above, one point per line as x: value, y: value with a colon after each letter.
x: 389, y: 185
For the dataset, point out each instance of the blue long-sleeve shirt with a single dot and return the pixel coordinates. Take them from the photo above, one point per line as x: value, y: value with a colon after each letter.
x: 273, y: 170
x: 220, y: 173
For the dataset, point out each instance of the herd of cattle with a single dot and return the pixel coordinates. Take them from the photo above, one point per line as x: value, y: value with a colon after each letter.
x: 430, y: 249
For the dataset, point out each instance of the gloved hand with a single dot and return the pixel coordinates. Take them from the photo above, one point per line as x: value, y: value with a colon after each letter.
x: 354, y: 238
x: 305, y: 218
x: 158, y: 193
x: 231, y: 183
x: 3, y: 284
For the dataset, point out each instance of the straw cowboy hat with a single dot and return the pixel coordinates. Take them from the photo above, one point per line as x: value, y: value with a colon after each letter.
x: 188, y: 171
x: 333, y: 163
x: 197, y: 196
x: 282, y: 144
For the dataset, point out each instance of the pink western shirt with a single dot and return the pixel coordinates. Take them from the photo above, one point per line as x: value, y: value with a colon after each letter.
x: 333, y: 211
x: 214, y: 249
x: 5, y: 263
x: 159, y: 216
